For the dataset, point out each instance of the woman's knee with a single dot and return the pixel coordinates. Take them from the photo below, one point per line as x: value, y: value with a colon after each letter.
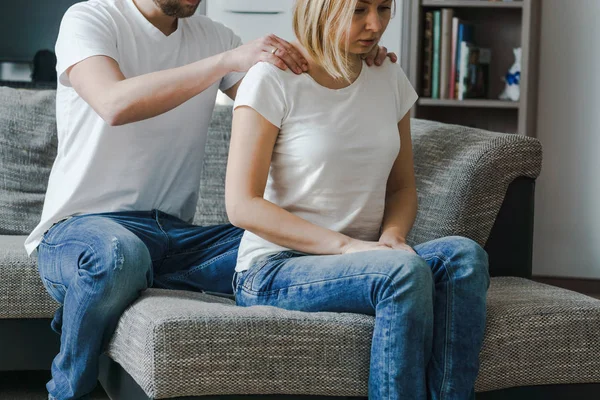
x: 470, y: 259
x: 408, y: 275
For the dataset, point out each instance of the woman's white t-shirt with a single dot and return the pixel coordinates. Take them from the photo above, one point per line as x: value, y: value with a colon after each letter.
x: 335, y: 149
x: 146, y: 165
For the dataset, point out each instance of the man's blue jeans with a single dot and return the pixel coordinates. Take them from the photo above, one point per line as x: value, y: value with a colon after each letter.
x: 429, y: 309
x: 96, y: 265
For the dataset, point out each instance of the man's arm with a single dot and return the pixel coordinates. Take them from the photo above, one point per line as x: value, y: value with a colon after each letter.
x: 100, y: 82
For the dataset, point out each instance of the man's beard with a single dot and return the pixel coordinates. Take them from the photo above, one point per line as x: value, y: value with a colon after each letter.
x: 174, y: 8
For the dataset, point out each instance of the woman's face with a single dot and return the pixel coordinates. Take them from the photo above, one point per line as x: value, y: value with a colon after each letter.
x: 371, y: 18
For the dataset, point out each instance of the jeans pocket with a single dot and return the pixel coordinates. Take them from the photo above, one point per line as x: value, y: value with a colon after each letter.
x: 257, y: 268
x: 56, y: 290
x: 49, y: 271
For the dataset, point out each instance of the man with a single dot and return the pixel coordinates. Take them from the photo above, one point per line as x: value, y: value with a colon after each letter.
x: 137, y: 86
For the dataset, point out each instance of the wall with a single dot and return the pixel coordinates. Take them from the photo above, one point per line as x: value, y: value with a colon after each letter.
x: 250, y: 26
x: 27, y: 26
x: 567, y: 227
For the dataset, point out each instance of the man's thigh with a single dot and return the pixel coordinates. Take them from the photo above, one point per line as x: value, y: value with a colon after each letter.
x: 199, y: 258
x: 78, y: 241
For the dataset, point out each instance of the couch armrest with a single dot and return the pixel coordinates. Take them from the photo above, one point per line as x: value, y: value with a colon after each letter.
x: 463, y: 175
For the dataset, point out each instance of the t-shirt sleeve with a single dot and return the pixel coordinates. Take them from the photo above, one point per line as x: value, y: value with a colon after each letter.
x: 232, y: 41
x: 84, y: 32
x: 262, y: 90
x: 407, y: 96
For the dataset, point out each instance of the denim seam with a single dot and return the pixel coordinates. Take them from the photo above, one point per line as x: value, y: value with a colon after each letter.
x: 389, y: 374
x: 156, y: 219
x: 180, y: 277
x: 444, y: 261
x: 94, y: 284
x: 204, y: 249
x: 265, y: 293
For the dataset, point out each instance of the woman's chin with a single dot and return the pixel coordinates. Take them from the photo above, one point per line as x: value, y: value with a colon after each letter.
x: 362, y: 51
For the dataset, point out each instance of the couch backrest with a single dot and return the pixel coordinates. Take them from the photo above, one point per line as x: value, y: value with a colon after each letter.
x: 27, y: 151
x: 462, y: 173
x: 28, y: 144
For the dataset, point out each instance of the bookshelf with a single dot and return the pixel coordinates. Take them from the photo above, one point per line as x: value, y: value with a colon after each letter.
x: 499, y: 26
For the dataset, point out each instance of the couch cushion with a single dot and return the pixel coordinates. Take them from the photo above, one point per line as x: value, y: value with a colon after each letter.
x: 186, y: 344
x: 27, y: 150
x: 22, y: 294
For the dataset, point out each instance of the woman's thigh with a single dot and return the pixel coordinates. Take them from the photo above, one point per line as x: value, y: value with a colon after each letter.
x: 336, y: 283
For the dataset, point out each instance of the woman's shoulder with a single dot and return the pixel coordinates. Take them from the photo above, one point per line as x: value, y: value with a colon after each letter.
x: 388, y: 69
x: 267, y: 71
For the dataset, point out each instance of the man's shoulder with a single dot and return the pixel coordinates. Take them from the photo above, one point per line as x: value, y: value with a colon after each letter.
x: 101, y: 11
x: 95, y: 7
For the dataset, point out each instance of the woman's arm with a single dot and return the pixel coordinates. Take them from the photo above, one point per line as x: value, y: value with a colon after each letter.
x: 401, y: 193
x: 252, y: 142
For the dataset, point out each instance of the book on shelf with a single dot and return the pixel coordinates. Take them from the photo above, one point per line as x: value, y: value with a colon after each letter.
x: 427, y: 54
x: 454, y: 67
x: 445, y: 52
x: 437, y: 36
x: 455, y: 24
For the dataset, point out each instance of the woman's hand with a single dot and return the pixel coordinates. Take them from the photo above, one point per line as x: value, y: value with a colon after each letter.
x: 358, y: 246
x: 395, y: 242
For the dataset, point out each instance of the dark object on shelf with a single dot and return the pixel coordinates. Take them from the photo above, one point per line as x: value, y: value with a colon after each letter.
x: 44, y: 66
x: 478, y: 74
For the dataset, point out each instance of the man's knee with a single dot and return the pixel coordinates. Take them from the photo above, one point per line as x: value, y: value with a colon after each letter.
x: 113, y: 255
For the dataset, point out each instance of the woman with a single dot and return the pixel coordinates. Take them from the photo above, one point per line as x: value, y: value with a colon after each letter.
x: 321, y: 177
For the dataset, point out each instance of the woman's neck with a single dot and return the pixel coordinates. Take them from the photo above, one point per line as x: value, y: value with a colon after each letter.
x: 323, y: 78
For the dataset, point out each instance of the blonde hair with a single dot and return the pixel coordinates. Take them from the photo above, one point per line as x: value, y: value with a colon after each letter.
x: 320, y: 26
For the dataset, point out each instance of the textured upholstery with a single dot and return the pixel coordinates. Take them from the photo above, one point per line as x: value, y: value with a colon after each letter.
x: 22, y: 294
x: 462, y: 177
x: 27, y: 150
x: 185, y: 344
x: 211, y: 204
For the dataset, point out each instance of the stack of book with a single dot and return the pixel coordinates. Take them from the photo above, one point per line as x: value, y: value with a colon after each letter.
x: 453, y: 66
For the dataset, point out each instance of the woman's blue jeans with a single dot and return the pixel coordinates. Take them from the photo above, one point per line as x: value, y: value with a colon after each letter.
x: 430, y: 309
x: 97, y: 265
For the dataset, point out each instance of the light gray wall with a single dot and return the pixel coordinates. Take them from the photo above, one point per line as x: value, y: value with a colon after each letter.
x: 567, y: 227
x: 27, y: 26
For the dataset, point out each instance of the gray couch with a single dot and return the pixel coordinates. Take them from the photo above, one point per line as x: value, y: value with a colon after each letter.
x: 541, y: 342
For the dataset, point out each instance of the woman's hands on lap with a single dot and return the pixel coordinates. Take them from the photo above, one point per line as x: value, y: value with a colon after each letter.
x: 358, y: 246
x: 393, y: 241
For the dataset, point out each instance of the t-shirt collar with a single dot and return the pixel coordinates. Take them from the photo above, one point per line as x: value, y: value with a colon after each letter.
x: 152, y: 30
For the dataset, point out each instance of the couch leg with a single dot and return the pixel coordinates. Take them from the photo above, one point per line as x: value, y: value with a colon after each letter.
x: 117, y: 383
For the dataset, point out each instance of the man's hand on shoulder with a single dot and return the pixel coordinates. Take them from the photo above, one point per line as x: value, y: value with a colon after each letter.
x: 378, y: 55
x: 271, y: 49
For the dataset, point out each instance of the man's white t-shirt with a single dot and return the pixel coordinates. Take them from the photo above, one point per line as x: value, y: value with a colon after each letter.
x: 335, y: 149
x: 152, y: 164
